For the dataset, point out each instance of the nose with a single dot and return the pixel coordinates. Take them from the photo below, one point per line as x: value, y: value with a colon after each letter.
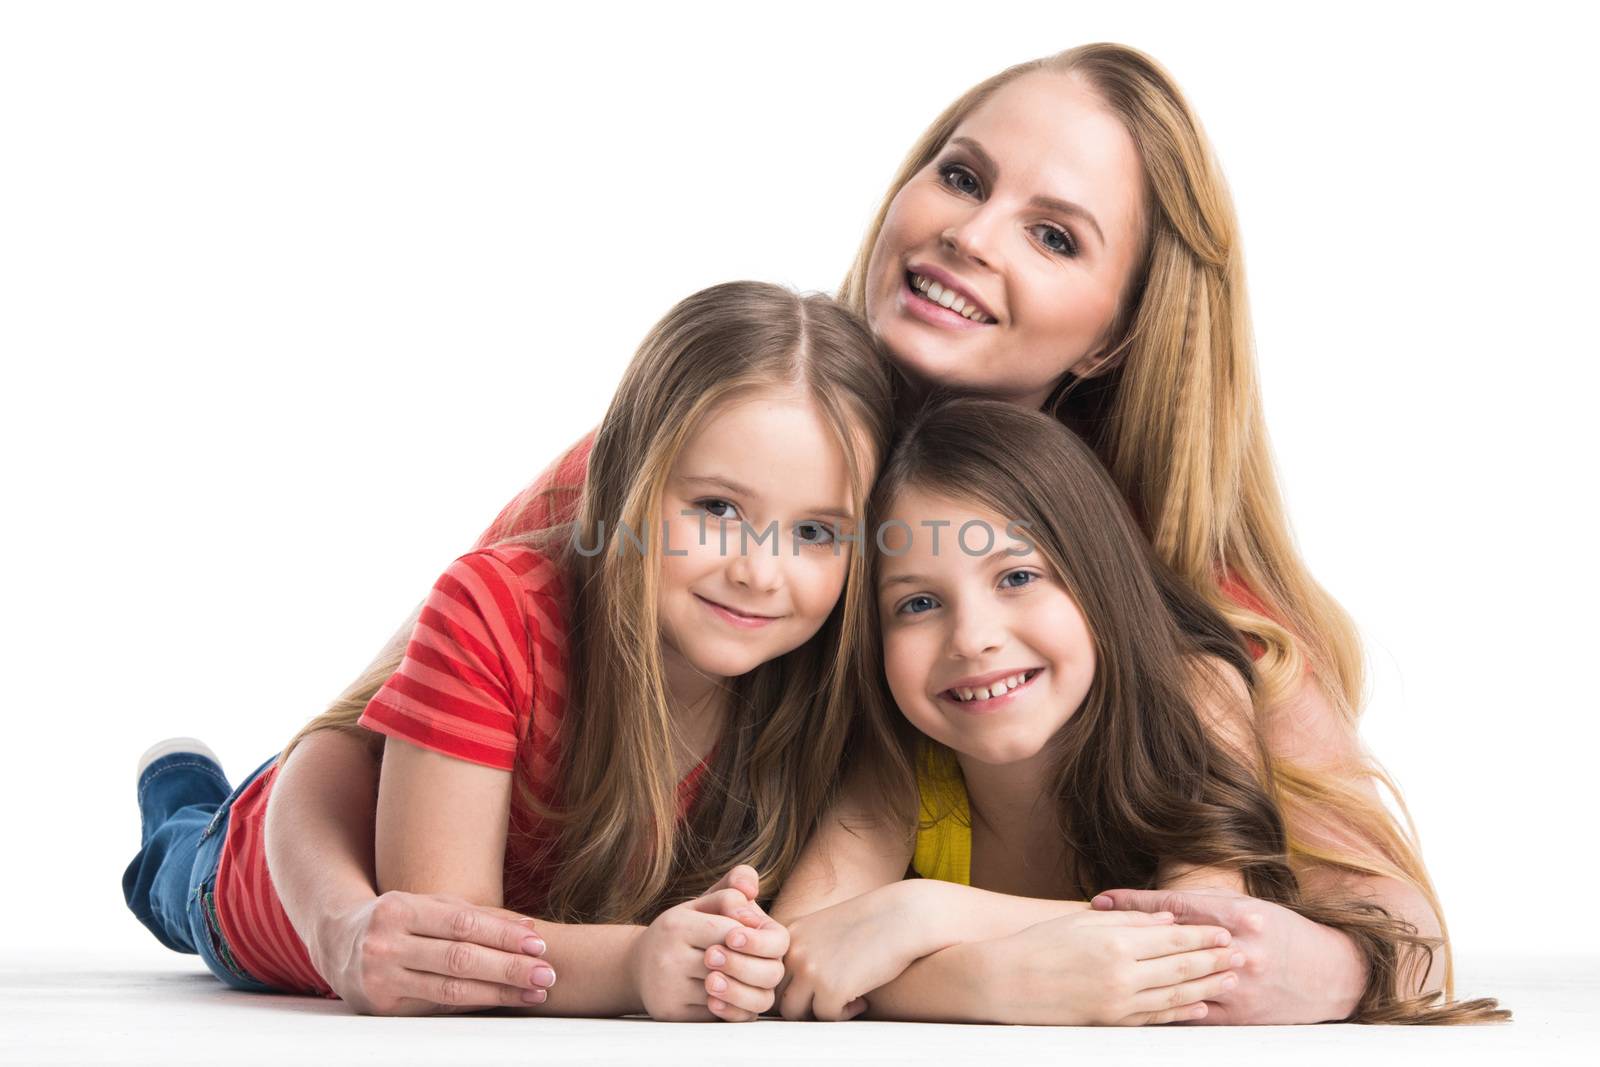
x: 974, y: 633
x: 972, y: 238
x: 757, y: 568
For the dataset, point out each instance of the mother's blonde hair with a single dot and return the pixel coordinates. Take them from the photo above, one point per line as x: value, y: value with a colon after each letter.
x: 1173, y: 409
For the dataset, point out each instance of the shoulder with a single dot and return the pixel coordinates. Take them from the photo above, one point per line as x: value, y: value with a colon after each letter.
x: 1306, y: 728
x: 515, y: 569
x: 516, y: 586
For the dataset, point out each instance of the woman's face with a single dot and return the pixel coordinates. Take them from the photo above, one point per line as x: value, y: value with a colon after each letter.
x: 1031, y: 216
x: 749, y: 567
x: 983, y: 648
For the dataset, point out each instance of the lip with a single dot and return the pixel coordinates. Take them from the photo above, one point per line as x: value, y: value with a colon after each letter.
x: 988, y: 704
x: 734, y: 617
x: 961, y: 289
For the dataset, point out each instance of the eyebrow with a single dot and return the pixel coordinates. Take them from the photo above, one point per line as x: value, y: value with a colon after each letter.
x: 914, y: 579
x: 741, y: 490
x: 1048, y: 203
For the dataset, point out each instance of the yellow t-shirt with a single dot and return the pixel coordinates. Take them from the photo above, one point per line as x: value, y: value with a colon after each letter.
x: 944, y: 832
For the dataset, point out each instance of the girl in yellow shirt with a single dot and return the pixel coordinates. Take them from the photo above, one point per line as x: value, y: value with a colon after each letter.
x: 1049, y: 713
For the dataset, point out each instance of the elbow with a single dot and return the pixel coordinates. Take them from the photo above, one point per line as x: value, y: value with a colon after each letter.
x: 1418, y: 970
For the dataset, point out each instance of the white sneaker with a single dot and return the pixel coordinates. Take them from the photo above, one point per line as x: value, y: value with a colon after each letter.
x: 174, y: 745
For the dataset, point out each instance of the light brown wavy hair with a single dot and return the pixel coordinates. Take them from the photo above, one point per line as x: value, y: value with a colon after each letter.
x: 1141, y: 782
x: 619, y: 853
x: 1173, y: 410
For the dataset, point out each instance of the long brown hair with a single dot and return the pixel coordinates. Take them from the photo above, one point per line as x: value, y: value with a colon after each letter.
x: 1139, y: 780
x: 618, y: 853
x: 1174, y: 412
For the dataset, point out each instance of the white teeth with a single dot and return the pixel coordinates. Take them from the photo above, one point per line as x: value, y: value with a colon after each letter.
x: 1004, y: 685
x: 938, y: 294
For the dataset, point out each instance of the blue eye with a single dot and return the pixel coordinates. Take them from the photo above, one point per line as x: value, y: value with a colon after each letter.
x: 814, y: 533
x: 1028, y: 578
x: 960, y: 179
x: 1057, y: 240
x: 908, y: 606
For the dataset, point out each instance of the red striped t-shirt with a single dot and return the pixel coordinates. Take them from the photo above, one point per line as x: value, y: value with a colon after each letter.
x: 483, y: 679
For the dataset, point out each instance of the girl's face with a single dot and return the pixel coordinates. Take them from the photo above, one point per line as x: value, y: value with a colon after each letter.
x: 1032, y: 214
x: 984, y: 650
x: 749, y: 569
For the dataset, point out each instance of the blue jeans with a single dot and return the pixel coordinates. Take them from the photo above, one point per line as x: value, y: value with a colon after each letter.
x: 171, y: 885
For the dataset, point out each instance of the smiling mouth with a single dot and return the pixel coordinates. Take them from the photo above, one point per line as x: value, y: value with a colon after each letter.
x: 931, y: 292
x: 994, y: 690
x: 735, y: 612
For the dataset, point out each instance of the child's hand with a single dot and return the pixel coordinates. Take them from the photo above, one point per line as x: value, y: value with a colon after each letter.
x: 743, y: 971
x: 1091, y: 969
x: 840, y: 954
x: 669, y: 960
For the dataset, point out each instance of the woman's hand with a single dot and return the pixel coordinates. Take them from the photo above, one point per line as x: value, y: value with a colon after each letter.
x: 840, y: 954
x: 1094, y: 969
x: 1295, y: 970
x: 672, y: 966
x: 426, y: 954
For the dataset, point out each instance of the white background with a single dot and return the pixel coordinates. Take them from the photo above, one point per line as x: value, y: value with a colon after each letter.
x: 293, y: 297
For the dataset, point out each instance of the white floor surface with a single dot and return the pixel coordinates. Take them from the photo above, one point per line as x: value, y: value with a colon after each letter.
x: 162, y: 1008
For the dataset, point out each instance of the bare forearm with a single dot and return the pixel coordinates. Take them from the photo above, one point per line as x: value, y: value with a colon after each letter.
x: 593, y: 965
x: 320, y: 830
x: 950, y: 986
x: 964, y: 913
x: 954, y: 982
x: 912, y: 968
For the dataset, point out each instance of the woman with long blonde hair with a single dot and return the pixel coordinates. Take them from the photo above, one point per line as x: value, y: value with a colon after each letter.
x: 1062, y: 237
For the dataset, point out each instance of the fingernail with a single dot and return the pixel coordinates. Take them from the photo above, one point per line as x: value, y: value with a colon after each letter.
x: 534, y: 996
x: 714, y: 1004
x: 1103, y: 903
x: 1236, y: 960
x: 533, y: 946
x: 1229, y: 981
x: 1163, y: 915
x: 749, y: 915
x: 716, y: 957
x: 1223, y: 938
x: 1198, y: 1012
x: 544, y: 977
x: 716, y: 983
x: 737, y: 939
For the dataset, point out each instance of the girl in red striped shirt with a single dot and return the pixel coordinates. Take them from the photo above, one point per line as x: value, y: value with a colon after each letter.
x: 603, y: 721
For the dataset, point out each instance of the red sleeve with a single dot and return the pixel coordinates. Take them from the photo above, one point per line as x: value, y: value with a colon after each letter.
x: 463, y: 687
x: 552, y: 499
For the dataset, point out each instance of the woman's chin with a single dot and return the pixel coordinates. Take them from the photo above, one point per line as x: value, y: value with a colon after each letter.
x: 926, y: 361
